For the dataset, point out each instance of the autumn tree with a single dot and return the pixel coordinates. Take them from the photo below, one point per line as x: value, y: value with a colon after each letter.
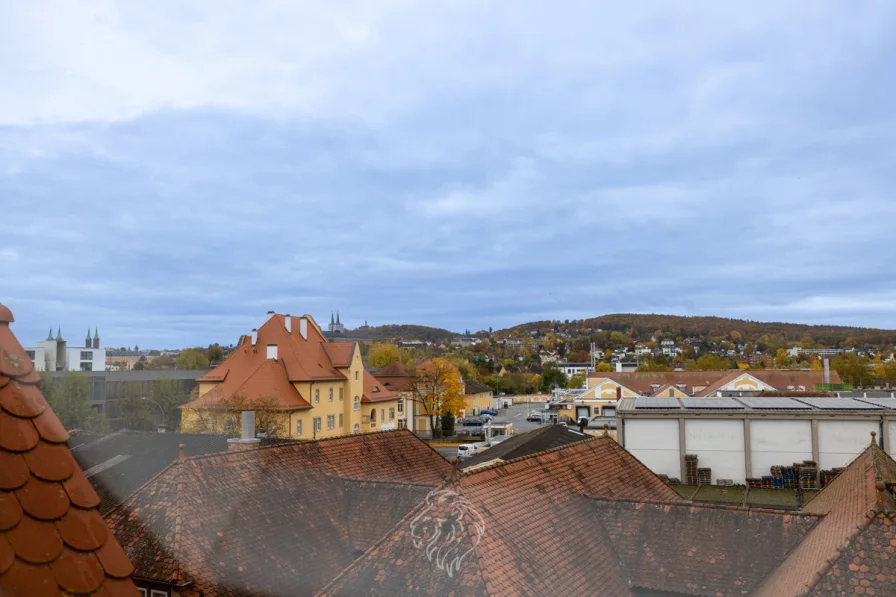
x: 853, y: 369
x: 711, y: 362
x: 437, y: 389
x: 215, y: 353
x: 553, y: 377
x: 381, y: 354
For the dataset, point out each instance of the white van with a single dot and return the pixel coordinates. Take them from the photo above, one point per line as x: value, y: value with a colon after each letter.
x: 466, y: 451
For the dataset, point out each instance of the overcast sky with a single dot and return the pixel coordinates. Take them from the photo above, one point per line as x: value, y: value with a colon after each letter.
x: 170, y: 171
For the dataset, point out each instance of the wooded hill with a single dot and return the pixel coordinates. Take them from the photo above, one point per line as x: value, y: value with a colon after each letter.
x: 642, y: 326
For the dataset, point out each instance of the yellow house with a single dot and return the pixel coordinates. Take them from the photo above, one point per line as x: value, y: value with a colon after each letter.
x: 292, y: 376
x: 478, y: 397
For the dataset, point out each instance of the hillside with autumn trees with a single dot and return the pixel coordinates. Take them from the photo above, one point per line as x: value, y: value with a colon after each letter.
x: 641, y: 327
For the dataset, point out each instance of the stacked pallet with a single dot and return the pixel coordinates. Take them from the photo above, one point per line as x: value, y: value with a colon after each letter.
x: 704, y: 476
x: 690, y: 469
x: 807, y: 473
x: 827, y: 476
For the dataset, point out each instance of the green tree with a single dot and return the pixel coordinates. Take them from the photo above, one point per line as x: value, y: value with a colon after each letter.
x: 711, y: 362
x: 69, y: 396
x: 853, y: 369
x: 192, y: 358
x: 553, y: 377
x: 576, y: 381
x: 215, y: 353
x: 381, y: 354
x: 170, y: 395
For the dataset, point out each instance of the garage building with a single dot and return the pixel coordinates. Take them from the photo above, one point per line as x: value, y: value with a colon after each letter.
x: 743, y: 437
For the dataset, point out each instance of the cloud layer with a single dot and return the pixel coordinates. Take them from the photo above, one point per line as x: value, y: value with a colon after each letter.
x: 171, y: 173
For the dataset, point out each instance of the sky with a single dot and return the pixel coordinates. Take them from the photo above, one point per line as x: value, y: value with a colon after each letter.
x: 171, y: 171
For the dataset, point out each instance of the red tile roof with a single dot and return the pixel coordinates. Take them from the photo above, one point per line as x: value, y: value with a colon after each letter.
x: 524, y: 530
x: 247, y: 371
x: 642, y: 381
x: 395, y: 376
x: 52, y: 538
x: 708, y: 550
x: 374, y: 391
x: 282, y: 520
x: 844, y: 552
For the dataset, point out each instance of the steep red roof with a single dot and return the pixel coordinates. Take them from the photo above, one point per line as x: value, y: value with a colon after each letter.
x: 850, y: 551
x: 281, y: 520
x: 340, y: 353
x: 395, y: 376
x: 53, y: 540
x: 248, y: 372
x: 524, y: 530
x: 374, y: 391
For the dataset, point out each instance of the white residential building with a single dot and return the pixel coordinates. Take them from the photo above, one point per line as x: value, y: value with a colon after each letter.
x: 54, y: 354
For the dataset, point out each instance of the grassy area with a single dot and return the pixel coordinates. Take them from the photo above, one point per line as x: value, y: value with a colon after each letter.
x: 738, y: 496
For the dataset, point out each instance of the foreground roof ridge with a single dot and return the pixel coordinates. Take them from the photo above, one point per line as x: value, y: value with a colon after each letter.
x: 704, y: 506
x: 499, y: 463
x: 236, y: 455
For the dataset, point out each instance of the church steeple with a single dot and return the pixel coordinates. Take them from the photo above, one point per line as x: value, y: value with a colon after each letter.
x: 337, y: 318
x: 59, y: 334
x: 96, y: 337
x: 50, y: 334
x: 87, y: 342
x: 332, y: 321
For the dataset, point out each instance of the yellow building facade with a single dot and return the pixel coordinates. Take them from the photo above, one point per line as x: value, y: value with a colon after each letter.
x: 288, y: 372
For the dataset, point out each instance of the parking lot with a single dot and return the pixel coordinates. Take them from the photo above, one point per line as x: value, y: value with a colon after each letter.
x: 515, y: 414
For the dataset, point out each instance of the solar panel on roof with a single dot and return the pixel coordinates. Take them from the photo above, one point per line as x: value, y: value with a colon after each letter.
x: 715, y: 403
x: 838, y: 404
x: 774, y: 403
x: 643, y: 402
x: 884, y: 402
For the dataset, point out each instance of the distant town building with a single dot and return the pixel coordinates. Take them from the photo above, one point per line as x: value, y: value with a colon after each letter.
x: 54, y: 354
x: 821, y: 352
x: 571, y: 369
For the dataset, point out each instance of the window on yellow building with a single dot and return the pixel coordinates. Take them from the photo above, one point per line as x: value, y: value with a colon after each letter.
x: 357, y: 403
x: 298, y: 427
x: 317, y: 424
x: 316, y: 395
x: 392, y: 413
x: 356, y: 376
x: 382, y: 414
x: 340, y: 421
x: 331, y: 394
x: 341, y: 391
x: 357, y: 429
x: 373, y: 415
x: 400, y: 405
x: 331, y: 421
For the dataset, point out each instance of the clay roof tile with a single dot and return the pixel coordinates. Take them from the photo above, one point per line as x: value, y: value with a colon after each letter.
x: 41, y: 490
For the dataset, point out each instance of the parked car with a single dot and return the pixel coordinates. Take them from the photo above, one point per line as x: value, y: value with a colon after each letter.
x: 466, y: 451
x: 538, y: 416
x: 489, y: 412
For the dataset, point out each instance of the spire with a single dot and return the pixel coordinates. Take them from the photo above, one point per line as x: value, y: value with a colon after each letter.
x: 59, y: 334
x: 87, y: 343
x: 50, y: 334
x: 96, y: 338
x: 332, y: 321
x: 337, y: 318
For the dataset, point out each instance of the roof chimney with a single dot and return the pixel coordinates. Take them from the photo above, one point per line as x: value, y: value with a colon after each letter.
x: 287, y: 322
x: 247, y: 440
x: 254, y: 336
x: 303, y: 327
x: 180, y: 453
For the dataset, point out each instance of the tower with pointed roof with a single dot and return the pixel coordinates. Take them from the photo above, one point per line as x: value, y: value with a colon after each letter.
x: 335, y: 326
x: 96, y: 338
x: 88, y: 341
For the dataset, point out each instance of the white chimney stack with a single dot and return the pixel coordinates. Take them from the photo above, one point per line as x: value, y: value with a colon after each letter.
x: 247, y: 439
x: 254, y: 336
x: 287, y: 322
x: 272, y: 352
x: 303, y: 327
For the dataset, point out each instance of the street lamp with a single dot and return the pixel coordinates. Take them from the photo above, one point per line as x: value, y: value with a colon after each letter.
x: 161, y: 410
